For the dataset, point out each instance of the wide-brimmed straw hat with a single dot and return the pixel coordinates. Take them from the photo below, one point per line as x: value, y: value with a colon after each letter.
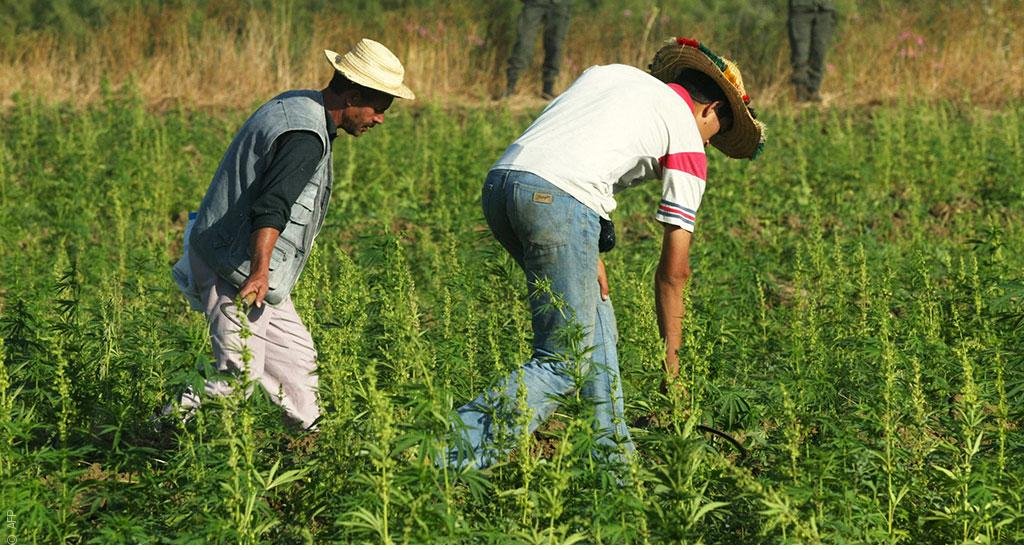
x: 371, y: 64
x: 746, y: 137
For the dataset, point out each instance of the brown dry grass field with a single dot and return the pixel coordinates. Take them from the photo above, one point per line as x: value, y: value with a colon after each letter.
x: 455, y: 54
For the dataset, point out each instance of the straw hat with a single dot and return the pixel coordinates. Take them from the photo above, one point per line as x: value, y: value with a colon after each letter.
x: 374, y: 66
x: 746, y: 137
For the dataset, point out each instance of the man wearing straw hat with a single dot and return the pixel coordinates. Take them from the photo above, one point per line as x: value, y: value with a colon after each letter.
x: 265, y: 205
x: 548, y: 201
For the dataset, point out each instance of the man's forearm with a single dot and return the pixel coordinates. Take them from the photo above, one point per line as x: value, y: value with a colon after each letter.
x: 668, y: 303
x: 261, y: 247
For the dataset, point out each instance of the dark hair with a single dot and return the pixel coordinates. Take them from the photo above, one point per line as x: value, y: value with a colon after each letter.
x: 704, y: 89
x: 341, y: 84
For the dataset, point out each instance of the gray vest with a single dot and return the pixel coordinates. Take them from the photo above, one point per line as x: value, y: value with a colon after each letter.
x: 220, y: 235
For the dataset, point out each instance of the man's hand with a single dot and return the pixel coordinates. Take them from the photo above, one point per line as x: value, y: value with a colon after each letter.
x: 602, y: 279
x: 261, y: 246
x: 255, y: 288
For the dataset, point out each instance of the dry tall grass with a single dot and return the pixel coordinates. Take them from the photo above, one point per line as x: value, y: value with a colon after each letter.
x: 457, y: 55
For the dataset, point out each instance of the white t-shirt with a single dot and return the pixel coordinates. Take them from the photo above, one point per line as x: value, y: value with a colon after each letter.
x: 613, y: 128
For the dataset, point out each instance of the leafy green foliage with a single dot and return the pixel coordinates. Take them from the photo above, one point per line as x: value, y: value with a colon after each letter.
x: 854, y: 321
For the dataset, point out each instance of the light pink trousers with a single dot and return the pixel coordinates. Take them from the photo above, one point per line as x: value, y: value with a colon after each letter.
x: 283, y: 357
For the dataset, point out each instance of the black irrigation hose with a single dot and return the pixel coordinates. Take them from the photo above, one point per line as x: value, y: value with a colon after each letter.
x: 739, y: 447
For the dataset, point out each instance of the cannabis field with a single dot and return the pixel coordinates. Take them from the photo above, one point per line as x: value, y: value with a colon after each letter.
x: 855, y: 322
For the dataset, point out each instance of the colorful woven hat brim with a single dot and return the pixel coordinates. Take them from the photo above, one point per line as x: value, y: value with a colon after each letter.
x: 747, y: 136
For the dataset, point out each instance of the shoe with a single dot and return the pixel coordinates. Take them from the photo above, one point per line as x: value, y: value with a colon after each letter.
x: 510, y: 90
x: 178, y: 412
x: 172, y: 414
x: 801, y: 93
x: 548, y: 92
x: 806, y: 94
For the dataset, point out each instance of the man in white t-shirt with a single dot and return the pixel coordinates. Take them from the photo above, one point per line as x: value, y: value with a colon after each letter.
x: 548, y: 200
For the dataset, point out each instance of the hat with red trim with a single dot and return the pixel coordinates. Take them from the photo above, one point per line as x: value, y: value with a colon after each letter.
x: 746, y: 137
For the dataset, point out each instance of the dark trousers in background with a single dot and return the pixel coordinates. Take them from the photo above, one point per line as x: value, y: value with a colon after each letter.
x: 810, y: 31
x: 553, y: 17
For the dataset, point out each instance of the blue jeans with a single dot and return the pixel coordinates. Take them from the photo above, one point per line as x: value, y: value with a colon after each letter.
x: 553, y: 238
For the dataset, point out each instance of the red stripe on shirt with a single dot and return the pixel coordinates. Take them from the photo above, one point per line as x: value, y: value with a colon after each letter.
x: 691, y: 163
x: 682, y: 93
x: 677, y: 211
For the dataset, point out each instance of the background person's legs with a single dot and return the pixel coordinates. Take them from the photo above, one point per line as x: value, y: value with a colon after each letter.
x: 823, y: 26
x: 556, y: 26
x: 800, y: 24
x: 529, y: 23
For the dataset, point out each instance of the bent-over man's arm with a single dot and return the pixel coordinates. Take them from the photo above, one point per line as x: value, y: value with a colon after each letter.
x: 669, y: 282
